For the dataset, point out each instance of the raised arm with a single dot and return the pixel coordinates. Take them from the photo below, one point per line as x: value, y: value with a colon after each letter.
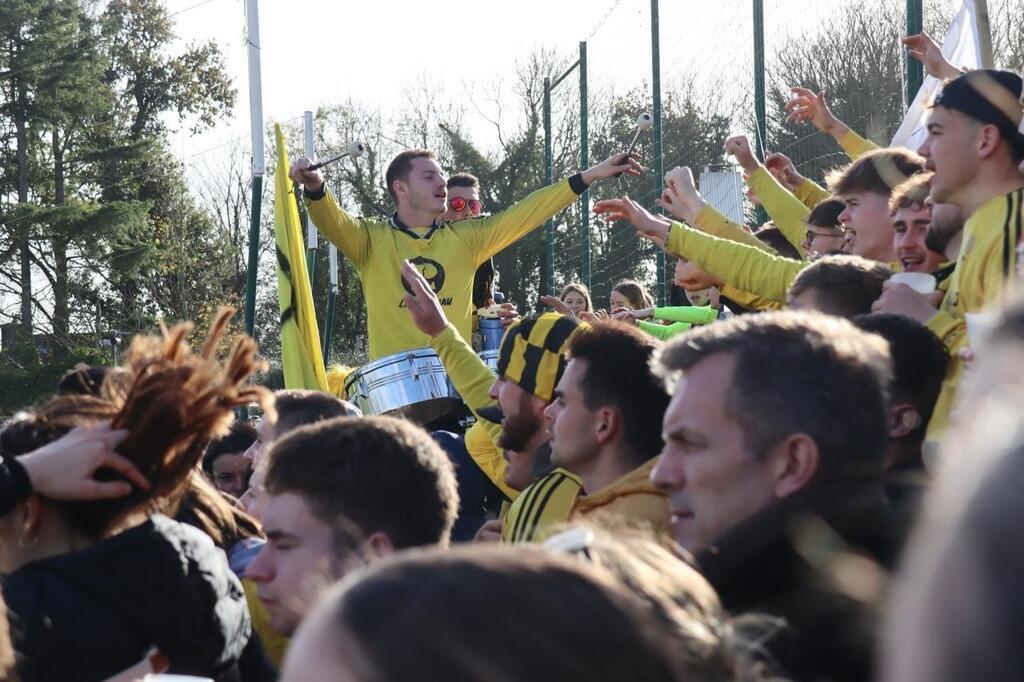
x: 813, y: 107
x: 683, y: 201
x: 494, y: 233
x: 788, y: 213
x: 742, y: 266
x: 342, y: 229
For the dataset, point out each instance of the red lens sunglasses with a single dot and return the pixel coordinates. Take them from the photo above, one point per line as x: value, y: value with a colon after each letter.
x: 458, y: 204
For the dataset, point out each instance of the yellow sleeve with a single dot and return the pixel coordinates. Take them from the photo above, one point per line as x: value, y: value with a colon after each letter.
x: 854, y: 145
x: 488, y: 456
x: 492, y: 234
x: 709, y: 220
x: 811, y: 193
x: 749, y: 300
x: 788, y: 212
x: 740, y: 265
x: 953, y: 333
x: 469, y: 374
x: 473, y: 379
x: 346, y: 232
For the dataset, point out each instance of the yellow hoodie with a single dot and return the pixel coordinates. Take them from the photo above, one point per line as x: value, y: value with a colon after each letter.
x: 632, y: 498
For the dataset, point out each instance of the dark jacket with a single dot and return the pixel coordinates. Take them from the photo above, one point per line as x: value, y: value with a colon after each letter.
x: 782, y: 562
x: 89, y: 614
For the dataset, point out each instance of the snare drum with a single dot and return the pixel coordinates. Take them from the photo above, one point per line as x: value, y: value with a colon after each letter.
x: 412, y: 383
x: 490, y: 358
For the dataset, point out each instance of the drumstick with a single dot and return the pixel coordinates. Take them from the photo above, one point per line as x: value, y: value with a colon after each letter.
x: 643, y: 122
x: 355, y: 150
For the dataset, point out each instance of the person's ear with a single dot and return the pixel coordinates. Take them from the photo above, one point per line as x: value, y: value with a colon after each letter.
x: 400, y: 189
x: 607, y: 424
x: 30, y: 514
x: 903, y: 419
x: 987, y: 141
x: 795, y: 463
x: 377, y: 545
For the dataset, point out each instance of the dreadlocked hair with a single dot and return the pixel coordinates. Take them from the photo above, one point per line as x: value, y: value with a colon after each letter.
x: 171, y: 401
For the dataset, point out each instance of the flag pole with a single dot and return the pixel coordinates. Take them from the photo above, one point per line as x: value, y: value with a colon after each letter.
x: 252, y: 29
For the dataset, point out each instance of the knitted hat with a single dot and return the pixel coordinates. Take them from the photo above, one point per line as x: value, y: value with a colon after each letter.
x: 532, y: 354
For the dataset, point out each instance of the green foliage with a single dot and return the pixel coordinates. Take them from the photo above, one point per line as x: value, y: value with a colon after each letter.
x: 30, y: 382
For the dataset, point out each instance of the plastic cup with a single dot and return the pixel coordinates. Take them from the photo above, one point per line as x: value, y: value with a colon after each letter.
x: 921, y: 282
x: 980, y: 327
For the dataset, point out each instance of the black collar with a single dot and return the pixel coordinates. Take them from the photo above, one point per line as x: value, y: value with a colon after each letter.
x: 397, y: 224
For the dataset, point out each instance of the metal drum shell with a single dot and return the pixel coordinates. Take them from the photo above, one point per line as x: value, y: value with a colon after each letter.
x: 490, y: 358
x: 412, y: 383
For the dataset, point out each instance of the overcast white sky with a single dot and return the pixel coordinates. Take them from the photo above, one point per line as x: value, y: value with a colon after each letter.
x: 324, y: 51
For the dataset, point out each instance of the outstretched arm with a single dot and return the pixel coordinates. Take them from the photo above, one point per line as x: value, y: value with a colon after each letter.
x: 808, y: 106
x: 342, y: 229
x: 494, y: 233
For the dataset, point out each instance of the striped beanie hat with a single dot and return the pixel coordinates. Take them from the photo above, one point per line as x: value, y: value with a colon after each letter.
x: 532, y: 354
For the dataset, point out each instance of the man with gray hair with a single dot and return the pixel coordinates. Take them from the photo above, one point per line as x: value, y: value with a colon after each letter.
x: 774, y: 452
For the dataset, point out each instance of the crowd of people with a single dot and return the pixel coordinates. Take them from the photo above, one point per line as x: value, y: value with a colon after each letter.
x: 806, y: 472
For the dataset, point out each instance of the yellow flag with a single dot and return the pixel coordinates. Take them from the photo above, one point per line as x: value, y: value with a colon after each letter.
x: 300, y: 338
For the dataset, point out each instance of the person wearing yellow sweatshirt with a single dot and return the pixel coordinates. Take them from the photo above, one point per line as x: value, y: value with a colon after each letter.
x: 604, y: 422
x: 448, y: 254
x: 975, y: 145
x: 510, y: 406
x: 864, y: 187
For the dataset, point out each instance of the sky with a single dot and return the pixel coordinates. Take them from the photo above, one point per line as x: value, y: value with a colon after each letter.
x: 320, y: 52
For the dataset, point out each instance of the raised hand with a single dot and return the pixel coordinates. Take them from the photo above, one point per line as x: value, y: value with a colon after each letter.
x: 66, y: 468
x: 739, y: 147
x: 300, y: 173
x: 782, y: 167
x: 490, y: 531
x: 555, y: 304
x: 808, y: 106
x: 924, y: 49
x: 423, y: 305
x: 647, y: 225
x: 612, y: 166
x: 684, y: 201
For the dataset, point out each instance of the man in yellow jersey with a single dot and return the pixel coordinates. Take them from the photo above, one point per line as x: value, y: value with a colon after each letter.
x: 605, y: 425
x: 447, y: 254
x: 509, y: 407
x: 974, y: 146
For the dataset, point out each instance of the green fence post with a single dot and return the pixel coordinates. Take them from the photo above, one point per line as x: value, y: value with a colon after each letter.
x: 915, y: 70
x: 584, y: 164
x: 254, y: 255
x: 760, y: 111
x: 549, y: 227
x: 659, y: 167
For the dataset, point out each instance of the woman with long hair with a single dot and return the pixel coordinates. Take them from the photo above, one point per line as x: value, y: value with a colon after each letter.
x: 96, y: 585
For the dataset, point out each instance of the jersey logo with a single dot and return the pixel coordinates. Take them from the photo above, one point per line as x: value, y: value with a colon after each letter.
x: 431, y: 270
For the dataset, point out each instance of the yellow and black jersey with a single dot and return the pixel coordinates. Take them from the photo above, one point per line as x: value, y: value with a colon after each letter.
x: 545, y: 503
x: 448, y: 255
x: 988, y: 256
x: 986, y: 268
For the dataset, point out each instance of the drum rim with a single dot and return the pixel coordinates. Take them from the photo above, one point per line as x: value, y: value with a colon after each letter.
x: 426, y: 354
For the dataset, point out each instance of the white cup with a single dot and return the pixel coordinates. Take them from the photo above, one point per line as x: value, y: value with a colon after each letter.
x: 921, y: 282
x: 980, y: 327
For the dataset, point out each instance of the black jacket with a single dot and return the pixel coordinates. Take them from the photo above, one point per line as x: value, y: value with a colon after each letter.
x: 782, y: 562
x: 89, y: 614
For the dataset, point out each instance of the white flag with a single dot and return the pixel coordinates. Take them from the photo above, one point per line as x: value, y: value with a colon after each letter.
x: 961, y: 48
